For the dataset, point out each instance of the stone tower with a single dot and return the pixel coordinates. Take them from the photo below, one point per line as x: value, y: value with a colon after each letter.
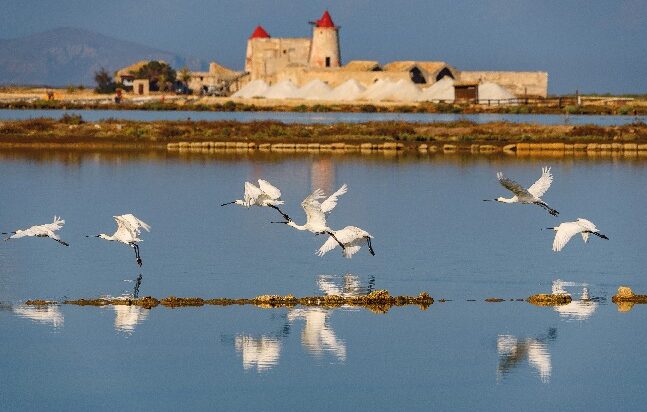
x: 259, y: 33
x: 324, y: 49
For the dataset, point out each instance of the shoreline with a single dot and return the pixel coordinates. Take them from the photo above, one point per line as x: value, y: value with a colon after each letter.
x: 71, y: 132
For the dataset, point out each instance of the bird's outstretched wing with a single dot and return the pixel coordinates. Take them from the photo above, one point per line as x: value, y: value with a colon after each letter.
x: 587, y: 227
x: 251, y: 193
x: 273, y: 192
x: 328, y: 245
x: 136, y: 222
x: 311, y: 206
x: 349, y: 251
x: 330, y: 203
x: 564, y: 233
x: 542, y: 184
x: 511, y: 185
x: 57, y: 224
x: 128, y: 226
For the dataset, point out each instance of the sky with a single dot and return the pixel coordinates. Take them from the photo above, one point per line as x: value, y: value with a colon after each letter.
x: 594, y: 46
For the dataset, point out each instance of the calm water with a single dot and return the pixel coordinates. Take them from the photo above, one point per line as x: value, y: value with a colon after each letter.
x: 432, y: 232
x: 326, y: 118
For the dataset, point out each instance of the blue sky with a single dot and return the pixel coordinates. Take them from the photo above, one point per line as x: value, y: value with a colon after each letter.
x: 594, y: 46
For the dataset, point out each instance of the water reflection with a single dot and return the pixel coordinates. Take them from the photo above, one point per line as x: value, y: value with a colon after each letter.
x: 49, y: 315
x: 579, y: 310
x: 317, y: 337
x: 347, y: 285
x: 127, y: 317
x: 261, y: 353
x: 513, y: 352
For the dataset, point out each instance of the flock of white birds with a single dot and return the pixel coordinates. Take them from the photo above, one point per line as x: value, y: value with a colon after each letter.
x: 316, y: 207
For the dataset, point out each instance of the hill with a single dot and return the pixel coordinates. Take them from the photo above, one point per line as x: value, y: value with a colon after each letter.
x: 68, y: 56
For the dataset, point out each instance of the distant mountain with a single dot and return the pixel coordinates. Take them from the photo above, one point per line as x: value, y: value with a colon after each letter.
x: 68, y: 56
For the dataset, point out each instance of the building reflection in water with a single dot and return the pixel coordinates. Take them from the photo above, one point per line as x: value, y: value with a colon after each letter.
x: 514, y: 352
x: 322, y: 174
x: 579, y: 310
x: 260, y: 353
x: 127, y: 317
x: 50, y: 315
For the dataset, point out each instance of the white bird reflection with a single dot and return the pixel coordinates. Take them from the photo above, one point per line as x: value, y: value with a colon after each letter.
x: 348, y: 285
x: 47, y: 315
x: 317, y: 337
x: 581, y: 309
x: 127, y: 317
x: 513, y: 352
x: 261, y: 353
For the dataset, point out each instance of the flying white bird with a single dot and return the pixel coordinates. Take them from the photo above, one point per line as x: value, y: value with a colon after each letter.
x: 128, y: 228
x: 532, y: 195
x: 567, y: 230
x: 46, y: 230
x: 351, y: 239
x: 316, y: 212
x: 263, y: 195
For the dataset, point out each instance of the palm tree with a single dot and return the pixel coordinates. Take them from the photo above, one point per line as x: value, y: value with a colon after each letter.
x: 184, y: 75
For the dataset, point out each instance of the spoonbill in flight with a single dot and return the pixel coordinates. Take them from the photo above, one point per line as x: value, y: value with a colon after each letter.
x: 46, y: 230
x: 316, y: 212
x: 532, y: 195
x: 128, y: 228
x: 350, y: 238
x: 263, y: 195
x: 567, y: 230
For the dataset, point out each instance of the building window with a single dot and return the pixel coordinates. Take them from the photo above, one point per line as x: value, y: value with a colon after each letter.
x: 327, y: 61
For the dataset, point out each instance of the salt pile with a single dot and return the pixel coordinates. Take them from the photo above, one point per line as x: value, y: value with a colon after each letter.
x: 252, y: 89
x: 282, y: 90
x: 314, y: 90
x: 349, y: 90
x: 442, y: 90
x: 404, y: 91
x: 492, y: 91
x: 379, y: 90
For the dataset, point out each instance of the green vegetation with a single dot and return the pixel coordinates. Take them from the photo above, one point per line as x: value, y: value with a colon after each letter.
x: 105, y: 83
x: 161, y: 75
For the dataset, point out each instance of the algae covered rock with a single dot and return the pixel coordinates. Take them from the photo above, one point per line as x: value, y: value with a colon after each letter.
x: 552, y: 299
x: 625, y: 294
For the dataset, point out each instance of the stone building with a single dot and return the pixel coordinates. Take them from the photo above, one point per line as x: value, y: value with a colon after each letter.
x: 218, y: 77
x: 302, y: 60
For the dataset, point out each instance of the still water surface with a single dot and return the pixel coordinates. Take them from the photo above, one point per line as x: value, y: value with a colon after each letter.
x: 325, y: 118
x: 432, y: 233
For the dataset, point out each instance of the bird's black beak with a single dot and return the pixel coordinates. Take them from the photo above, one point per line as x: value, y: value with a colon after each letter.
x: 285, y: 223
x: 604, y: 237
x: 91, y: 235
x: 228, y: 203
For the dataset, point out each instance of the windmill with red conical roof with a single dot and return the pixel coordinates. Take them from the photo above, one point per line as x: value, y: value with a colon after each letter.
x: 324, y: 49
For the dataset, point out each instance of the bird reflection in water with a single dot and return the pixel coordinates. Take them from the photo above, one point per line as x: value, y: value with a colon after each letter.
x: 46, y: 315
x: 513, y: 352
x: 261, y: 353
x: 579, y: 310
x: 348, y: 285
x: 127, y: 317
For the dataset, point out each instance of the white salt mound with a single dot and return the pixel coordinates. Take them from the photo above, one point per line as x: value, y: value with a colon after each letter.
x: 252, y: 89
x: 404, y: 91
x: 314, y: 90
x: 493, y: 91
x: 442, y: 90
x: 349, y: 90
x: 379, y: 90
x: 282, y: 90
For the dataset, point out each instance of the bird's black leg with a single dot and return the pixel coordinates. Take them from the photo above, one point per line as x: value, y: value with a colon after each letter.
x: 62, y: 242
x: 337, y: 240
x: 548, y: 208
x: 370, y: 247
x: 137, y: 257
x: 286, y: 217
x: 600, y: 235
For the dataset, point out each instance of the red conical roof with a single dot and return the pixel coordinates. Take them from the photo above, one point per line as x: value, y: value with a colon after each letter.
x: 325, y: 20
x: 259, y: 33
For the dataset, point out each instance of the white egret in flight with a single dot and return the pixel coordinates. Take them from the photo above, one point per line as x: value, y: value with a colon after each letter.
x: 46, y: 230
x: 532, y: 195
x: 128, y: 230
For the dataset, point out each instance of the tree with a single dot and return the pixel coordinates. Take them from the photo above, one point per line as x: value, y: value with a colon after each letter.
x: 104, y: 81
x: 158, y: 73
x: 184, y: 75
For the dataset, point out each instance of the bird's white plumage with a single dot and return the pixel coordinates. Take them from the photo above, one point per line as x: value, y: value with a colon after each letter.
x: 542, y: 184
x: 128, y: 228
x: 566, y: 230
x: 271, y: 191
x: 330, y: 203
x: 46, y: 230
x: 262, y: 195
x: 316, y: 211
x: 351, y: 237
